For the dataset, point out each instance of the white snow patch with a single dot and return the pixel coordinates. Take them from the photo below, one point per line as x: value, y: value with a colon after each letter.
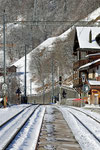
x: 93, y: 15
x: 28, y: 137
x: 83, y: 37
x: 93, y: 82
x: 95, y: 54
x: 7, y: 113
x: 86, y: 141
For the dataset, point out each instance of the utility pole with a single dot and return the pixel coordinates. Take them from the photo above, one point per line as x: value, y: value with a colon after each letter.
x: 52, y: 72
x: 4, y: 86
x: 43, y: 92
x: 60, y: 83
x: 4, y: 47
x: 25, y: 78
x: 52, y: 65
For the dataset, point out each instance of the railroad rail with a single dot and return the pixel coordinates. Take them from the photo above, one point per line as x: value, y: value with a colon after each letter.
x: 83, y: 124
x: 28, y: 112
x: 85, y: 114
x: 13, y: 117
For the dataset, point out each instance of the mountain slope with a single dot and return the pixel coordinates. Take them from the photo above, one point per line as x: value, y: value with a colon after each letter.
x: 58, y: 12
x: 58, y: 49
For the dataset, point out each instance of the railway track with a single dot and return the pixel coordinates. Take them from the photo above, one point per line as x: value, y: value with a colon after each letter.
x: 13, y: 117
x: 84, y: 124
x: 85, y: 114
x: 28, y: 129
x: 15, y: 127
x: 55, y: 133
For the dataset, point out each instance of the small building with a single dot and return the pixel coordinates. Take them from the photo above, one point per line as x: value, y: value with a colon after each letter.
x: 9, y: 69
x: 87, y: 61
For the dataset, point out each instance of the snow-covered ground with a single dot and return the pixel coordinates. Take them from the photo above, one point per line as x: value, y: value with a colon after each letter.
x: 29, y: 134
x: 7, y: 113
x: 85, y: 139
x: 31, y: 130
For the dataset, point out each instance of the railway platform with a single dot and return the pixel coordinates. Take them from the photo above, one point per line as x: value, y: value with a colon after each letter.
x: 55, y: 133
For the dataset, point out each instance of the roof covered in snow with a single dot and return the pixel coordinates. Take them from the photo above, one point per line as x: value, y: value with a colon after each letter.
x: 89, y: 64
x: 83, y: 37
x: 95, y: 54
x: 93, y: 82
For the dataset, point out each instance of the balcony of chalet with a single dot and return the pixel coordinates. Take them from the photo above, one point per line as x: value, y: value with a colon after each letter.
x: 79, y: 63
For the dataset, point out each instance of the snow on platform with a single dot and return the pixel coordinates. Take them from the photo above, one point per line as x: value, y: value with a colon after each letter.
x: 7, y: 113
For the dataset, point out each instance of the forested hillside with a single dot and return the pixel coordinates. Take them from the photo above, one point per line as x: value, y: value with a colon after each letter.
x: 30, y: 22
x: 51, y: 17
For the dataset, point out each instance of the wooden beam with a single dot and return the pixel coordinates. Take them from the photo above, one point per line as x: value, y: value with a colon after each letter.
x: 8, y: 45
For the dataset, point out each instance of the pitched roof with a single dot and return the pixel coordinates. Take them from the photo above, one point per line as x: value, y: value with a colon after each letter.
x: 83, y: 37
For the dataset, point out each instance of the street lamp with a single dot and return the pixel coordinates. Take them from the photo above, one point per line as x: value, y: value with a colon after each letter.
x: 83, y: 78
x: 83, y: 81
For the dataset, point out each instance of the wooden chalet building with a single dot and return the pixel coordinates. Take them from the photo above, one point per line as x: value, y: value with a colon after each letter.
x: 86, y: 51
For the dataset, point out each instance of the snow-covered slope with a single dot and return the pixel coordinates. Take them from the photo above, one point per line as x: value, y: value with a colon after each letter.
x: 49, y: 43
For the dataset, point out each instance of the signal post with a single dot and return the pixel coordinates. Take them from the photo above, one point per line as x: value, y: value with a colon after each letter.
x: 60, y: 83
